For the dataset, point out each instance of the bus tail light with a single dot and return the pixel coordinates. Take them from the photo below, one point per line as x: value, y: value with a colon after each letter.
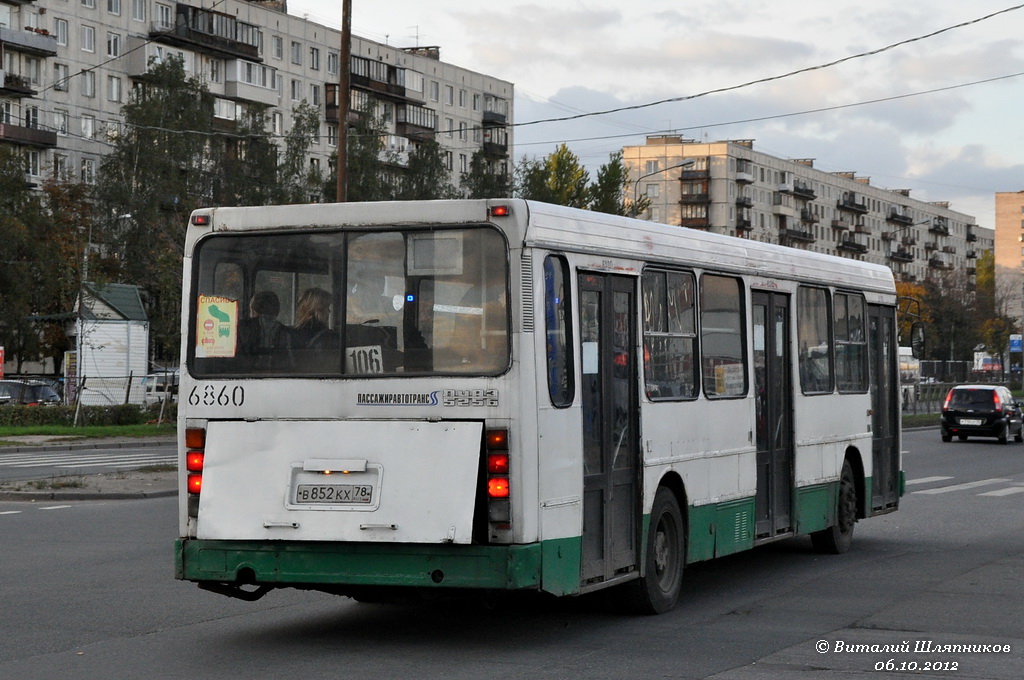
x: 195, y: 460
x: 499, y: 508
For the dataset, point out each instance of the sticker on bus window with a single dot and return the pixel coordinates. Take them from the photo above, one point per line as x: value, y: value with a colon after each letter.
x: 216, y: 327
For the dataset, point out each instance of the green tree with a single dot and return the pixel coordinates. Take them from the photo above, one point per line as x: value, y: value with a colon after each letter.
x: 20, y: 215
x: 483, y: 180
x: 608, y: 192
x: 248, y: 173
x: 952, y: 331
x: 426, y: 177
x: 161, y: 168
x: 560, y: 178
x: 302, y: 181
x: 369, y: 176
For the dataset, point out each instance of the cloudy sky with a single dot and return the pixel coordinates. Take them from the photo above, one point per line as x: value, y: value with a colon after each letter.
x: 939, y: 114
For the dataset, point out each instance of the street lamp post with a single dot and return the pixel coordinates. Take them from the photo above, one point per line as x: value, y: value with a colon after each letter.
x: 636, y: 185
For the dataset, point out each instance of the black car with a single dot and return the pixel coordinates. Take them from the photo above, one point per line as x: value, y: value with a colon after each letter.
x: 981, y: 411
x: 27, y: 393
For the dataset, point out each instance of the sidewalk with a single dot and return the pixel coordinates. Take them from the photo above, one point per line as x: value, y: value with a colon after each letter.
x: 124, y: 484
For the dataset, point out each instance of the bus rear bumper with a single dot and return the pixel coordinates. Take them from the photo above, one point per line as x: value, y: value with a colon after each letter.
x: 332, y: 566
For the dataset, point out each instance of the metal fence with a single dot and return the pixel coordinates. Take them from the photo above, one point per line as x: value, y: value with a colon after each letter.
x: 112, y: 390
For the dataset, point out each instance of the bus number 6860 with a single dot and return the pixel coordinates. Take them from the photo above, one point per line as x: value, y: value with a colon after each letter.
x: 209, y: 395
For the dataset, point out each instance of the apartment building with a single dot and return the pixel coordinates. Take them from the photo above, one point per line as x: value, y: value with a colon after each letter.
x: 728, y: 187
x: 1009, y: 251
x: 67, y: 67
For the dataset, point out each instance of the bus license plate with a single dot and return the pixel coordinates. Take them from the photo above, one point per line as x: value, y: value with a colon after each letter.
x: 970, y: 421
x: 339, y: 494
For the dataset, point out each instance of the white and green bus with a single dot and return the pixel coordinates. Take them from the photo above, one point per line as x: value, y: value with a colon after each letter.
x: 503, y: 395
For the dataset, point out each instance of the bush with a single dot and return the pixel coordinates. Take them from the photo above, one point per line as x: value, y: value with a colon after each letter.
x: 125, y: 414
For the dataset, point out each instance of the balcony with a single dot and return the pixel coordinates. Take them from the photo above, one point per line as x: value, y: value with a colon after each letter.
x: 803, y: 190
x: 930, y: 246
x: 744, y: 224
x: 211, y: 32
x: 744, y: 202
x: 415, y: 121
x: 13, y: 85
x: 695, y: 223
x: 901, y: 255
x: 971, y: 255
x: 744, y: 172
x: 898, y: 217
x: 492, y: 118
x: 851, y: 203
x: 691, y: 199
x: 851, y: 245
x: 37, y: 42
x: 949, y: 249
x: 971, y: 236
x: 862, y: 229
x: 25, y: 136
x: 808, y: 217
x: 909, y: 241
x: 938, y: 263
x: 803, y: 235
x: 840, y: 225
x: 939, y: 226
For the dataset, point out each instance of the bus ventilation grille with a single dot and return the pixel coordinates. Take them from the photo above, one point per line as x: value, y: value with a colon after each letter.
x: 526, y: 276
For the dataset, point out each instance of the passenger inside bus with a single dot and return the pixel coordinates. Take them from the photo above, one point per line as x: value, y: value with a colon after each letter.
x: 311, y: 321
x: 262, y: 334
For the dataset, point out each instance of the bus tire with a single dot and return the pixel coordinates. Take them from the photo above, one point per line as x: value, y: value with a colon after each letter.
x: 665, y: 558
x: 838, y: 538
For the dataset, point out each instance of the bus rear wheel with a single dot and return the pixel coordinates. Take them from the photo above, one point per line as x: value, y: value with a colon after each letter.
x: 658, y: 590
x: 838, y: 538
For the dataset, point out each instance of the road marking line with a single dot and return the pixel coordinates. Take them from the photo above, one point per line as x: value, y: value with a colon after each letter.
x: 11, y: 512
x: 55, y: 507
x: 961, y: 487
x: 1004, y: 492
x: 926, y: 480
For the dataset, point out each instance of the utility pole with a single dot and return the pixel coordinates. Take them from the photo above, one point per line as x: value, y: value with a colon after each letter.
x: 344, y: 78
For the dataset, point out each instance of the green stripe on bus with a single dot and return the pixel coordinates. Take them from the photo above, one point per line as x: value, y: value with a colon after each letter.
x: 434, y: 566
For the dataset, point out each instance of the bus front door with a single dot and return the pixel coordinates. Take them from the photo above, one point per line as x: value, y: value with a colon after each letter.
x: 774, y: 408
x: 882, y: 353
x: 610, y: 438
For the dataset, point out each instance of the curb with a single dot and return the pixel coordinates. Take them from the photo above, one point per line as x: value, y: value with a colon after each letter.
x: 98, y: 444
x: 34, y: 496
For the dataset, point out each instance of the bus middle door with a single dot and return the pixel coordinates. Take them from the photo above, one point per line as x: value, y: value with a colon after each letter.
x: 607, y: 312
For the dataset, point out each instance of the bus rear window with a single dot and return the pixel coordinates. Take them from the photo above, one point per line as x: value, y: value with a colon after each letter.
x: 333, y: 303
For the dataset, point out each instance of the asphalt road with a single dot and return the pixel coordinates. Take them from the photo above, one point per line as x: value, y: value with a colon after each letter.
x: 87, y: 592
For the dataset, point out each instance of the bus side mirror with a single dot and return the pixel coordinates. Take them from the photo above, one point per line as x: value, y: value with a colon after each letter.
x: 917, y: 340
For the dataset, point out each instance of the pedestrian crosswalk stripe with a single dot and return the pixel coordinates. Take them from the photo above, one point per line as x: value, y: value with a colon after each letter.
x: 927, y: 480
x: 961, y: 487
x: 1004, y: 492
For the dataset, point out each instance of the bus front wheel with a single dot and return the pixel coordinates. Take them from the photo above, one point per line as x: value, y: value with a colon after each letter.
x: 658, y: 590
x: 838, y: 538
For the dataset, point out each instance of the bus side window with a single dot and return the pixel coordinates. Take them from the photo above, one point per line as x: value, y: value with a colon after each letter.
x: 557, y: 323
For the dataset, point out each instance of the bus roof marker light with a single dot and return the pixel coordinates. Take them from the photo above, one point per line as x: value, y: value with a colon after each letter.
x: 201, y: 220
x: 500, y: 211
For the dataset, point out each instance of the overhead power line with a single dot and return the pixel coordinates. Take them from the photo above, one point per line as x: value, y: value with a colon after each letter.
x: 769, y: 79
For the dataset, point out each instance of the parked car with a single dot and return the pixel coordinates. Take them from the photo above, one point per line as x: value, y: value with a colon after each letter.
x: 27, y: 393
x: 981, y: 411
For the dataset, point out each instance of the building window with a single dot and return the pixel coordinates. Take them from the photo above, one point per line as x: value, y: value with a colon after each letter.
x: 296, y: 90
x: 476, y: 102
x: 60, y: 121
x: 277, y: 123
x: 60, y: 77
x: 434, y: 90
x: 462, y: 131
x: 650, y: 167
x: 463, y: 163
x: 138, y: 10
x: 164, y: 17
x: 88, y: 174
x: 91, y: 4
x: 113, y: 88
x: 332, y: 135
x: 314, y: 58
x: 653, y: 191
x: 60, y: 29
x: 449, y: 95
x: 32, y: 163
x: 448, y: 160
x: 462, y: 99
x: 297, y: 53
x: 32, y: 117
x: 277, y: 47
x: 88, y: 35
x: 113, y: 45
x: 332, y: 63
x: 449, y: 127
x: 88, y: 127
x: 314, y: 95
x: 114, y: 7
x: 60, y: 166
x: 88, y: 80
